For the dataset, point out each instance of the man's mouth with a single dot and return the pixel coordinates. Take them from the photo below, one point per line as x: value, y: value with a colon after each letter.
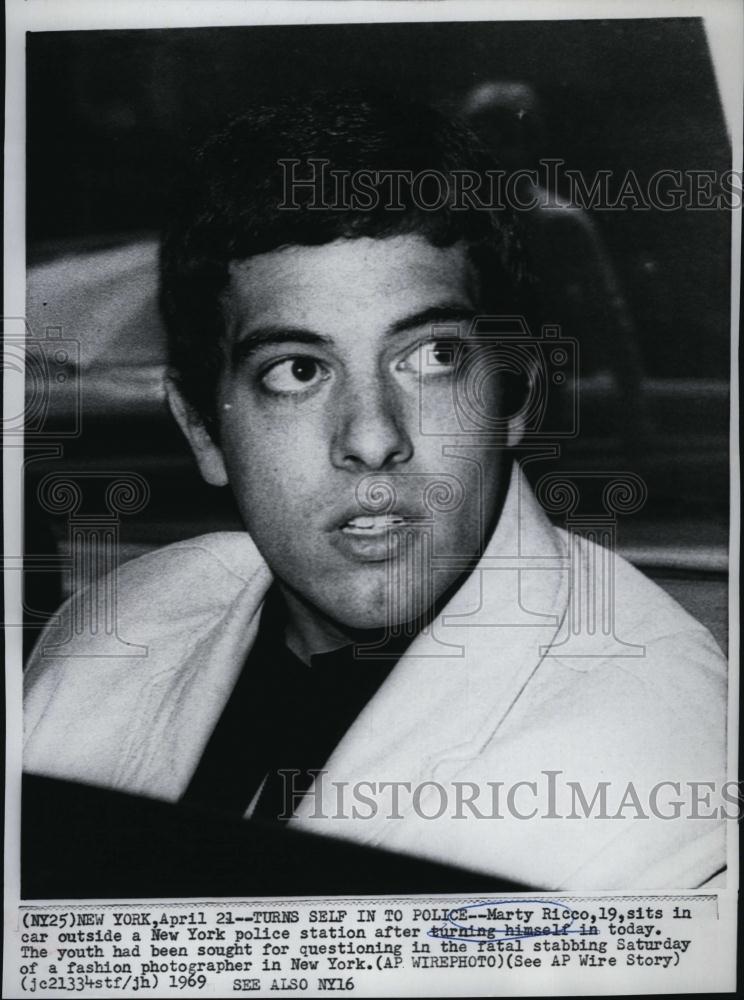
x: 371, y: 538
x: 367, y: 525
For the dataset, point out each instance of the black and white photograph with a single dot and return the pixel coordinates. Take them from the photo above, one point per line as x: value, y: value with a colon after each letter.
x: 371, y: 497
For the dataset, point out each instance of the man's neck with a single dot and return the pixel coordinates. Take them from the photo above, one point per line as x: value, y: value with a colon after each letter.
x: 307, y: 632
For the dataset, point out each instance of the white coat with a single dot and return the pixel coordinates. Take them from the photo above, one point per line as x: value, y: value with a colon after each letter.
x: 485, y: 697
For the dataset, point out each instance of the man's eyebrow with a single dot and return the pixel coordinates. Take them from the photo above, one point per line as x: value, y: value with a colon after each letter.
x: 267, y: 335
x: 261, y: 336
x: 450, y: 313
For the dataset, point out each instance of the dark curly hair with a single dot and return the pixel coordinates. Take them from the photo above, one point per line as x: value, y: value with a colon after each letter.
x: 232, y: 203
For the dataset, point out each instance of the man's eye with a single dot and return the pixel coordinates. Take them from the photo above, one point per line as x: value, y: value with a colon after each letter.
x: 294, y: 375
x: 432, y: 358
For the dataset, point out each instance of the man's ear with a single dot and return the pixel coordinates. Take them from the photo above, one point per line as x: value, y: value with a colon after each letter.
x: 208, y: 456
x: 516, y: 430
x: 517, y: 395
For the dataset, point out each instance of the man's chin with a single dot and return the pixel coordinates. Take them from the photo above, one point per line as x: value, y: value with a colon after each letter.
x: 363, y: 614
x: 361, y: 606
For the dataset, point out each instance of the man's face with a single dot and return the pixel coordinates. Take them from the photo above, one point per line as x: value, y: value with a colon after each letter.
x: 336, y: 404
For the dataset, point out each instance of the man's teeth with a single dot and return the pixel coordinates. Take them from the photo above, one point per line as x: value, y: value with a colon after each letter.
x: 374, y: 521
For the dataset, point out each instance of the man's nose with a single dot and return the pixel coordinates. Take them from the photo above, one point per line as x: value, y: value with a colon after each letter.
x: 370, y: 432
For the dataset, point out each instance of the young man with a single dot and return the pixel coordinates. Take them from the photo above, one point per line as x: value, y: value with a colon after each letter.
x: 396, y: 614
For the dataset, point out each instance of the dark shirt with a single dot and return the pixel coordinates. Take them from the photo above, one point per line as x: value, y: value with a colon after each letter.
x: 282, y: 715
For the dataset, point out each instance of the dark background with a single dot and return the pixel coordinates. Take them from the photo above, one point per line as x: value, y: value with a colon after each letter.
x: 111, y: 114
